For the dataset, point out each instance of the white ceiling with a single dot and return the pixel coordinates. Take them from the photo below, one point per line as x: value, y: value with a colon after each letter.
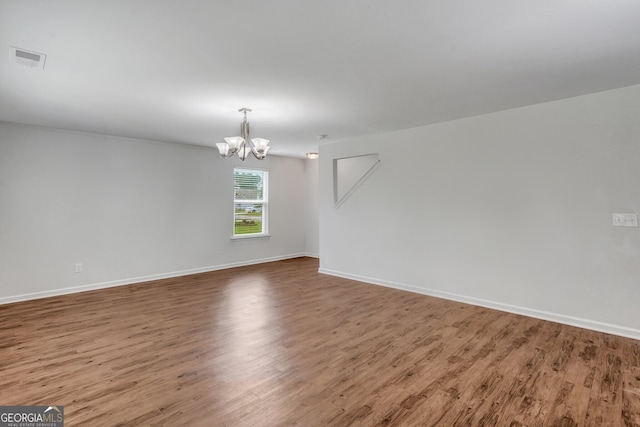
x: 179, y: 70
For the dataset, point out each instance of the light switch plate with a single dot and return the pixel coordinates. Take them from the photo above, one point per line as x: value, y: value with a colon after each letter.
x: 625, y: 220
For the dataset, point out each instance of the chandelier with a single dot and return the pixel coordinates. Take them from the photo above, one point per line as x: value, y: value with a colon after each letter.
x: 240, y: 144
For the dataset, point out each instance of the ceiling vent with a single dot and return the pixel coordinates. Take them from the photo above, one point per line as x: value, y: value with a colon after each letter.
x: 28, y: 57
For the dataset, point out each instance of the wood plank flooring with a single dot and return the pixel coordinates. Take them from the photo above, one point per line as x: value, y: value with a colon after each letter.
x: 279, y: 344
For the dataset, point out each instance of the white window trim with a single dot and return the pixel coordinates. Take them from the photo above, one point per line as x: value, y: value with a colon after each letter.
x: 249, y: 236
x: 264, y: 203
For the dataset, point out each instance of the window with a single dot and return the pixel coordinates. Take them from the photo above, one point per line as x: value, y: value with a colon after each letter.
x: 250, y: 197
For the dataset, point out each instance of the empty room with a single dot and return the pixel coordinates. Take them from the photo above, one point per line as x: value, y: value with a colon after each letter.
x: 338, y: 213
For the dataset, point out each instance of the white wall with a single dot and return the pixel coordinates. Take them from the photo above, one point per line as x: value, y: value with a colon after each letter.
x: 312, y: 238
x: 510, y: 210
x: 128, y: 210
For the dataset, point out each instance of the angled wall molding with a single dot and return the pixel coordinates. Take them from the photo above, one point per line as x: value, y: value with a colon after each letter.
x: 349, y: 173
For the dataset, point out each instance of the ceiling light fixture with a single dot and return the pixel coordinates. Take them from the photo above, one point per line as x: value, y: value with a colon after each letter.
x: 240, y: 144
x: 312, y: 155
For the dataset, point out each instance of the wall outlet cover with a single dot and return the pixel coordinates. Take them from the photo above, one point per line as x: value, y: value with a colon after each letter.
x: 625, y: 220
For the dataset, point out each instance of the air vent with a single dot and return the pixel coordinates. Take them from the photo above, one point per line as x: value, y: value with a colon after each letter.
x: 28, y: 57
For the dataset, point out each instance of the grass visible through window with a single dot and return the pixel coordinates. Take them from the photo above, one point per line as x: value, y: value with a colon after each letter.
x: 250, y: 224
x: 247, y: 227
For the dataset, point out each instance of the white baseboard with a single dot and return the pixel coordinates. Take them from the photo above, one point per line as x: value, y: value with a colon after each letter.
x: 311, y: 255
x: 538, y: 314
x: 130, y: 281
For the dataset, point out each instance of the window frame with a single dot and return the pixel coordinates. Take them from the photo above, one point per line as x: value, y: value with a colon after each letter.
x: 263, y: 202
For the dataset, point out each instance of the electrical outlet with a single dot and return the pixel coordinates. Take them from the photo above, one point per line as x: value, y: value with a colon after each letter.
x: 78, y: 267
x: 625, y: 220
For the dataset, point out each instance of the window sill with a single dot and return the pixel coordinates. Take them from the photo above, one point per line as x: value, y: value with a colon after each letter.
x: 250, y: 236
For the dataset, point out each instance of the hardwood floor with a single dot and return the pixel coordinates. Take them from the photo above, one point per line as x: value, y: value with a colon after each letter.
x: 279, y: 344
